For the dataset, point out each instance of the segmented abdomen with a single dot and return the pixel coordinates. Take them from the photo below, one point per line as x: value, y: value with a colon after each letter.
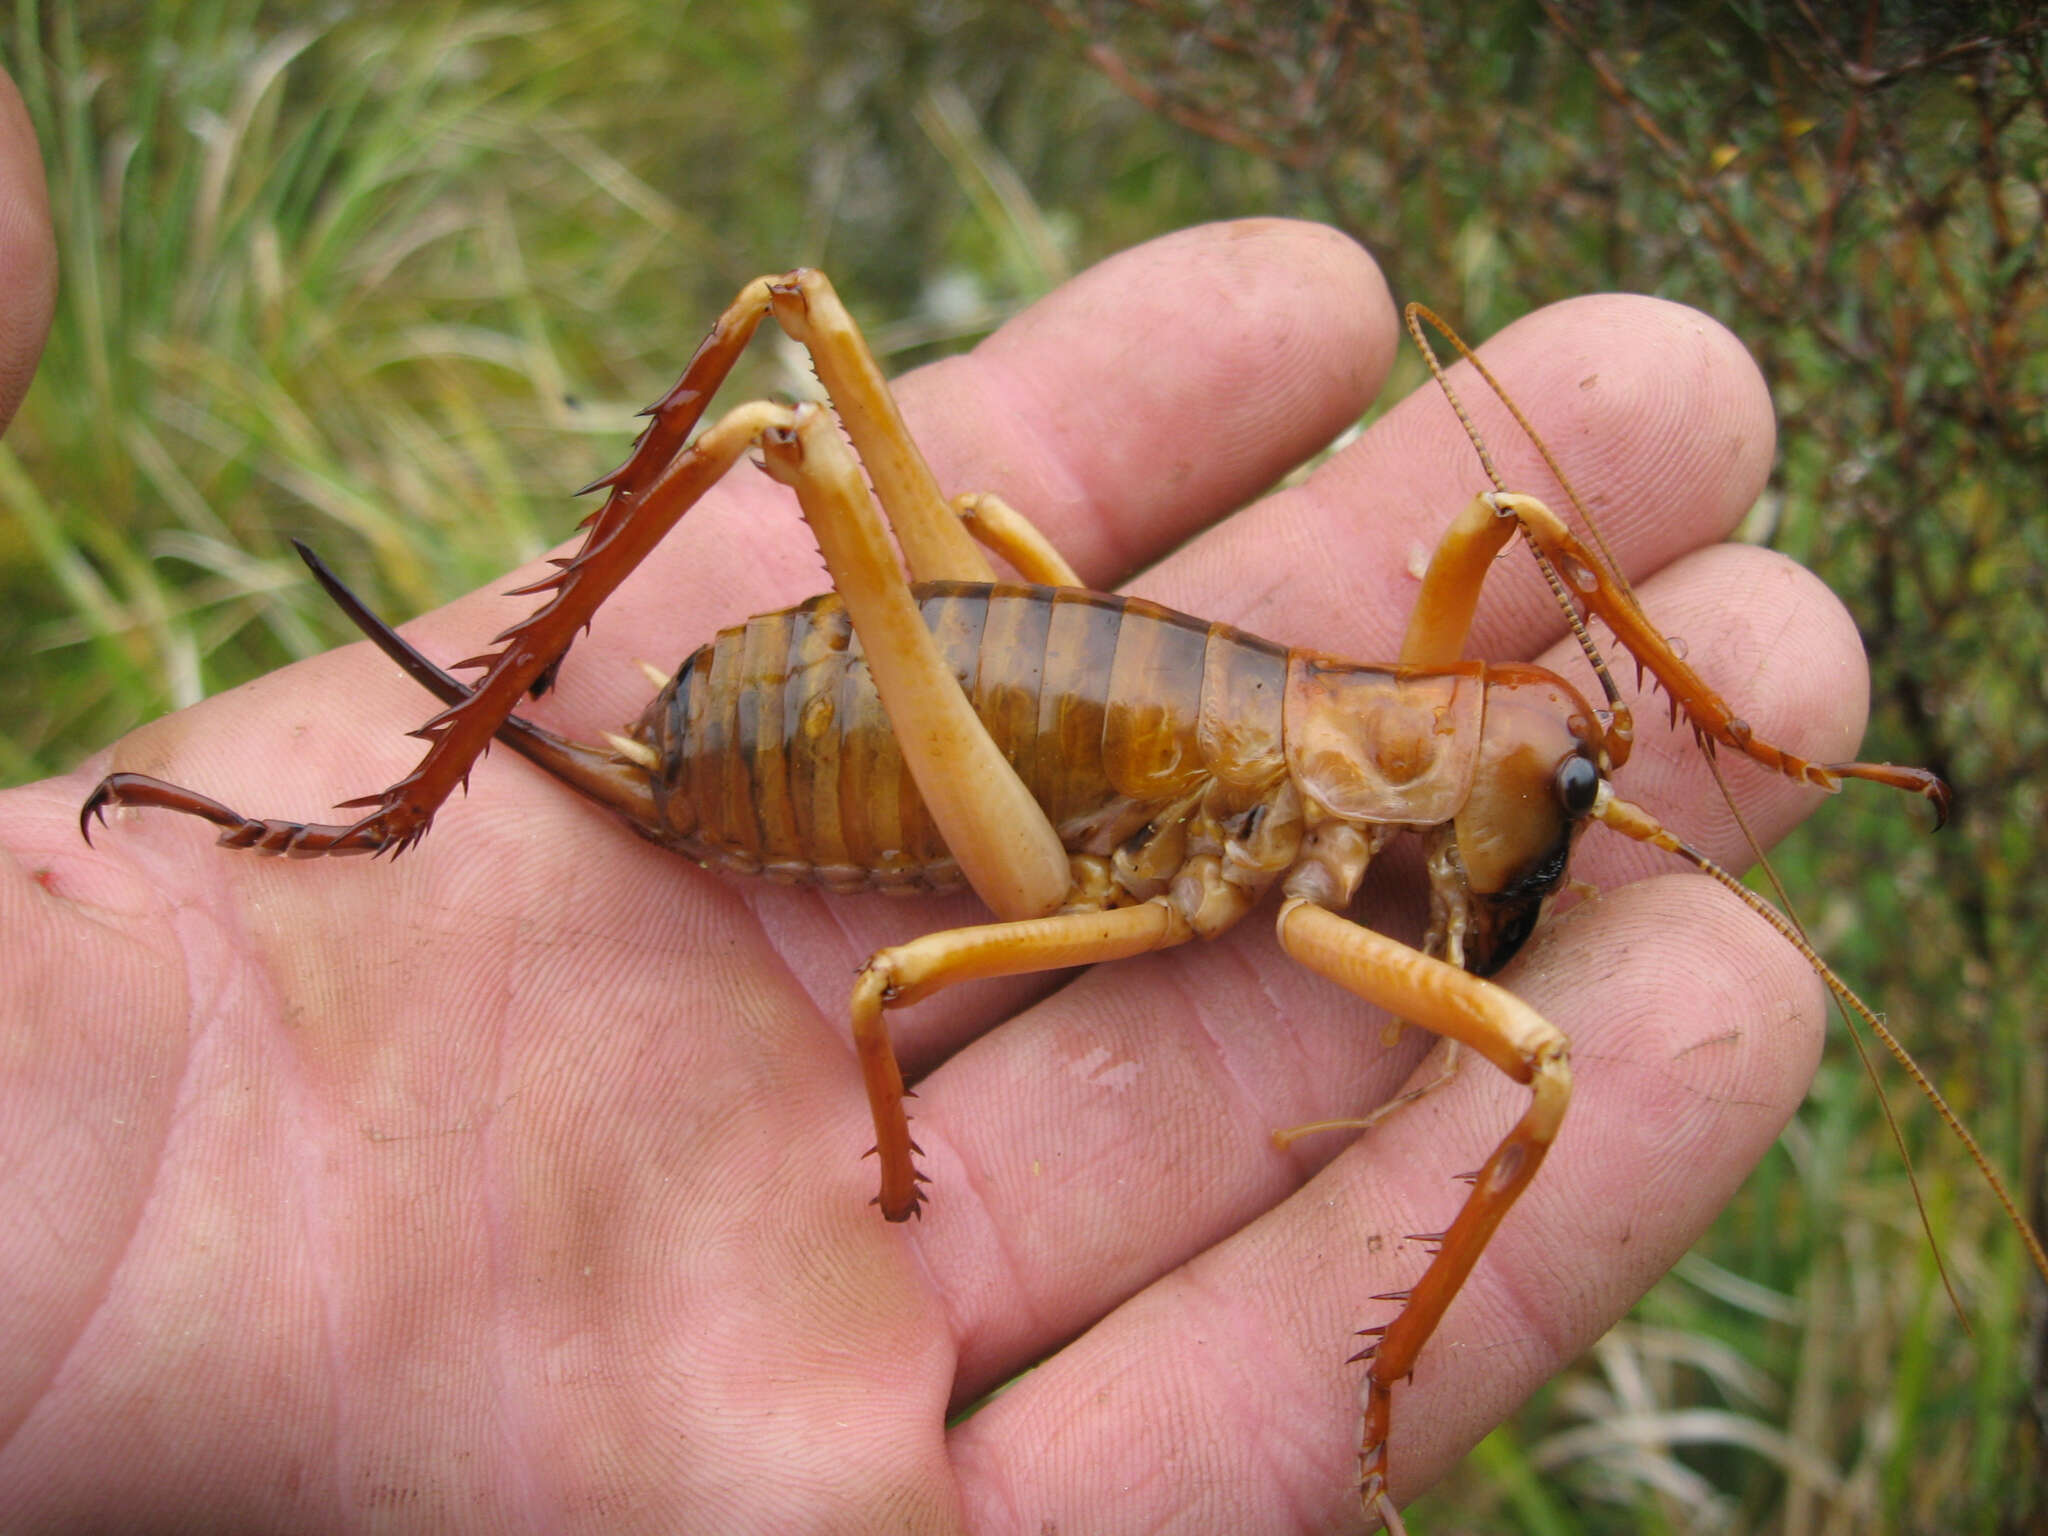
x: 775, y: 755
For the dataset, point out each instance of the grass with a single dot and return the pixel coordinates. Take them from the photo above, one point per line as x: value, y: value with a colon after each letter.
x: 394, y: 279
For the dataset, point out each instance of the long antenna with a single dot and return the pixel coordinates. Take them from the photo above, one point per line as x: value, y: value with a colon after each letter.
x: 1633, y: 821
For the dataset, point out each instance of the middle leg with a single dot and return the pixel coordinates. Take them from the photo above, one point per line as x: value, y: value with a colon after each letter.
x: 906, y: 973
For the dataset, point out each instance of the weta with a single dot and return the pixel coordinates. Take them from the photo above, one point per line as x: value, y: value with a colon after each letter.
x: 1108, y: 776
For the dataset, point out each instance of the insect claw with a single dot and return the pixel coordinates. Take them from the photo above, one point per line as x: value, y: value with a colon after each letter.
x: 94, y: 809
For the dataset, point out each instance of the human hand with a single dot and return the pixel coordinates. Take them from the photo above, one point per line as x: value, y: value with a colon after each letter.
x: 517, y: 1180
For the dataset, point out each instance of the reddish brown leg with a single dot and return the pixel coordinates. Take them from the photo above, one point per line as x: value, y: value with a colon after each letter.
x: 1705, y: 710
x: 401, y: 814
x: 293, y: 839
x: 1508, y: 1033
x: 1450, y: 593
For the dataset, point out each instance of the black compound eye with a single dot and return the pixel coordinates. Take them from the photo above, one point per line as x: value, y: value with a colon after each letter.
x: 1578, y: 785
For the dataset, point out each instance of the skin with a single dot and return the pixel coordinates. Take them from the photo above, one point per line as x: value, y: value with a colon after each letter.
x: 517, y: 1185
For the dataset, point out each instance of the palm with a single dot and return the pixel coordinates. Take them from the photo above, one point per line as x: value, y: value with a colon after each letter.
x: 519, y: 1180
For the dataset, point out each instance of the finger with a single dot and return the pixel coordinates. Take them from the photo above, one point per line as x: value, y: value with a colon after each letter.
x: 1226, y: 1372
x: 1656, y: 412
x: 28, y: 252
x: 1165, y: 387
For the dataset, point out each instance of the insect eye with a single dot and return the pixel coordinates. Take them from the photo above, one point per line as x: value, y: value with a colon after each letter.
x: 1578, y: 785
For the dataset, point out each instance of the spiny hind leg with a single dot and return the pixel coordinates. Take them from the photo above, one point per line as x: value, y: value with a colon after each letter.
x: 1508, y: 1033
x: 1006, y: 847
x: 907, y: 973
x: 401, y: 814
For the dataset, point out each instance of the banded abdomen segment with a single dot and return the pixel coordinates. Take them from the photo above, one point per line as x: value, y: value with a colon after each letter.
x: 775, y: 755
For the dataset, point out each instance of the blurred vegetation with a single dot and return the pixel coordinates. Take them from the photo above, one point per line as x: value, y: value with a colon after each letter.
x: 394, y: 277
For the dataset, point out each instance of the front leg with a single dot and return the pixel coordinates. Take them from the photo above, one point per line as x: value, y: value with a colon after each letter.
x: 1508, y: 1033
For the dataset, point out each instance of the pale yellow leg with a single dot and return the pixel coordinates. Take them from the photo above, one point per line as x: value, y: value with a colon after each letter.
x: 1442, y: 620
x: 1006, y: 847
x: 935, y: 546
x: 906, y: 973
x: 1002, y: 528
x: 1507, y: 1032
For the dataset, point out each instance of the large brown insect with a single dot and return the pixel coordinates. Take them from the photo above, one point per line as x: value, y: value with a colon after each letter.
x: 1109, y: 777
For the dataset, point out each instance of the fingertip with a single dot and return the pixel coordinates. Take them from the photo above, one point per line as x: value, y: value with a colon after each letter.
x: 1696, y: 1028
x: 1165, y: 386
x: 1653, y: 411
x: 1658, y: 403
x: 1656, y: 413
